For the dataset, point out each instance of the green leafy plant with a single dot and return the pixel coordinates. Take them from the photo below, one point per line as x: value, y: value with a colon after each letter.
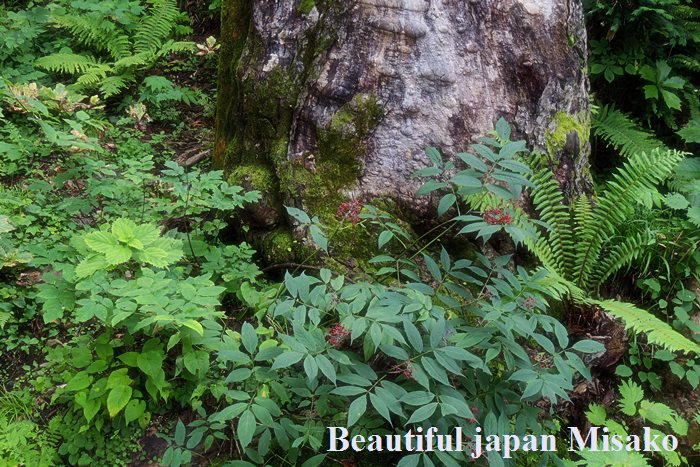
x: 127, y: 49
x: 633, y: 404
x: 596, y: 227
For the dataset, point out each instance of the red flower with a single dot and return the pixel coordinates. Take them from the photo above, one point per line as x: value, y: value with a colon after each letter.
x: 404, y: 369
x: 350, y: 210
x: 496, y: 216
x: 337, y: 335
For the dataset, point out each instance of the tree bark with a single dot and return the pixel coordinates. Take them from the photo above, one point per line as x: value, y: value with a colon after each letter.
x: 324, y: 100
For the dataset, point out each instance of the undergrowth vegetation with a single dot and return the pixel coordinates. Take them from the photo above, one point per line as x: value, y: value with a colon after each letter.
x: 137, y: 329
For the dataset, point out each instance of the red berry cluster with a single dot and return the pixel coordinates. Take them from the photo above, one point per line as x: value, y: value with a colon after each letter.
x: 350, y: 210
x: 495, y: 216
x: 404, y: 369
x: 337, y: 335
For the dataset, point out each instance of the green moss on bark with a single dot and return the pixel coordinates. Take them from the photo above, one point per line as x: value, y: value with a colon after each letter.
x: 564, y: 124
x: 254, y: 121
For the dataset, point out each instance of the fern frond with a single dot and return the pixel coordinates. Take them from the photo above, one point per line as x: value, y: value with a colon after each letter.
x: 92, y: 32
x: 687, y: 62
x: 112, y: 85
x: 619, y: 131
x: 71, y: 64
x: 132, y: 60
x: 156, y: 26
x: 175, y: 47
x: 119, y: 47
x: 641, y: 321
x: 640, y: 172
x: 636, y: 319
x: 620, y: 255
x: 557, y: 249
x: 93, y: 76
x: 4, y: 318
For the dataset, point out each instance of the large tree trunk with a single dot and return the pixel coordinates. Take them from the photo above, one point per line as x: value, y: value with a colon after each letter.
x: 324, y: 100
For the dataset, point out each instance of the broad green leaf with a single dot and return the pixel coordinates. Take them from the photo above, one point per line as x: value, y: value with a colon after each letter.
x: 246, y: 428
x: 194, y: 325
x: 151, y: 363
x: 79, y: 381
x: 101, y: 242
x: 134, y: 409
x: 117, y: 399
x: 90, y: 265
x: 123, y: 229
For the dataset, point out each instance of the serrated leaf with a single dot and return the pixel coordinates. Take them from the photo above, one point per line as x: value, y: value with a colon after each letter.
x: 101, y: 242
x: 631, y: 393
x: 123, y: 229
x: 90, y: 265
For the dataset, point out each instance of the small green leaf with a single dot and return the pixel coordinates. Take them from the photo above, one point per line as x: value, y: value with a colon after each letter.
x: 446, y: 203
x: 356, y: 410
x: 249, y: 337
x: 588, y: 346
x: 180, y: 433
x: 134, y: 409
x: 310, y: 367
x: 287, y: 359
x: 624, y: 371
x: 319, y: 237
x: 384, y: 238
x: 423, y: 413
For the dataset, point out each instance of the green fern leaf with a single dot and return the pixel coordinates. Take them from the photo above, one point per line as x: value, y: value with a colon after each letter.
x: 620, y: 255
x: 112, y: 85
x: 641, y: 321
x: 156, y: 27
x: 620, y: 132
x: 616, y: 204
x: 68, y: 63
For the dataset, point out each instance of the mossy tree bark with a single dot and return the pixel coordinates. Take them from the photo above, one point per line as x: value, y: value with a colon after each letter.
x: 325, y: 100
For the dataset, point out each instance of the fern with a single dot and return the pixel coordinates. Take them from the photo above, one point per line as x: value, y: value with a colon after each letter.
x: 620, y: 255
x: 635, y: 319
x: 640, y: 172
x: 641, y: 321
x: 4, y: 318
x: 67, y: 63
x: 92, y: 32
x: 581, y: 247
x: 155, y: 27
x: 620, y: 132
x: 556, y: 250
x: 122, y: 50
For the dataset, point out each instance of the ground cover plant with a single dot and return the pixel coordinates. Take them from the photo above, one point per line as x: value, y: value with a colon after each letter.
x: 140, y: 327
